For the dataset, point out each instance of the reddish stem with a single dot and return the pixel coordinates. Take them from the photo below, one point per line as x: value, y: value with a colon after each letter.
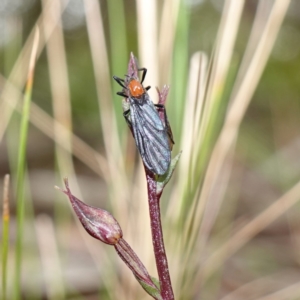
x: 157, y: 238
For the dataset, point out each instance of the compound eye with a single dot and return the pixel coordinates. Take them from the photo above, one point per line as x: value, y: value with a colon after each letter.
x: 135, y: 88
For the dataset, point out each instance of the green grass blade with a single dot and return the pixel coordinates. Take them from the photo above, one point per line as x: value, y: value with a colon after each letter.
x: 5, y: 234
x: 179, y: 72
x: 119, y: 54
x: 21, y: 167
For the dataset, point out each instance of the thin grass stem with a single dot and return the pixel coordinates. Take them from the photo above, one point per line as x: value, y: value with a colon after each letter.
x: 46, y: 124
x: 17, y: 76
x: 21, y: 166
x: 166, y: 41
x: 5, y: 234
x: 147, y: 39
x: 118, y: 53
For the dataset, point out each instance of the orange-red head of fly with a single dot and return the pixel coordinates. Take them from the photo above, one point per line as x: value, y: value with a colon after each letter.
x: 135, y: 88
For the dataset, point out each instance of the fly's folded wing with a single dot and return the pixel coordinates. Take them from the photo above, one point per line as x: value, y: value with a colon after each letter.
x: 150, y: 136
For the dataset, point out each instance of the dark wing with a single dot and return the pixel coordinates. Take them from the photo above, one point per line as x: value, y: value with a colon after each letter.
x: 150, y: 136
x: 162, y: 112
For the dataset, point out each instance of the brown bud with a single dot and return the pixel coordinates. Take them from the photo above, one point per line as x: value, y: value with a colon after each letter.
x: 97, y: 222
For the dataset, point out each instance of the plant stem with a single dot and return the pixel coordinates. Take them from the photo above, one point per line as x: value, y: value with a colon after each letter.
x: 5, y: 234
x: 133, y: 262
x: 21, y: 168
x: 157, y: 238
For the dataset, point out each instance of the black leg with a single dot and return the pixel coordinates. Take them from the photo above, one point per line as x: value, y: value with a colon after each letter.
x: 122, y: 94
x: 148, y: 88
x: 160, y: 106
x: 120, y: 81
x: 144, y: 73
x: 126, y: 116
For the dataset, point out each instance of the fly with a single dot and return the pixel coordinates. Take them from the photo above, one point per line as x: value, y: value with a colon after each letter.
x: 153, y: 137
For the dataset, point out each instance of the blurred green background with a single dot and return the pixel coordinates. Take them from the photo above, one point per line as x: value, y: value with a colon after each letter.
x: 263, y: 166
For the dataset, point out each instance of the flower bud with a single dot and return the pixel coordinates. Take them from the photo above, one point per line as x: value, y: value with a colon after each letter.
x: 97, y: 222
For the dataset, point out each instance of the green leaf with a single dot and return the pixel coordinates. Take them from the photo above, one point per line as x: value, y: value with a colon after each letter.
x: 154, y: 292
x: 164, y: 179
x: 156, y: 282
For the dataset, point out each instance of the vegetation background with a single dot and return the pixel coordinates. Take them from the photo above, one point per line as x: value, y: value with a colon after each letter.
x: 230, y: 212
